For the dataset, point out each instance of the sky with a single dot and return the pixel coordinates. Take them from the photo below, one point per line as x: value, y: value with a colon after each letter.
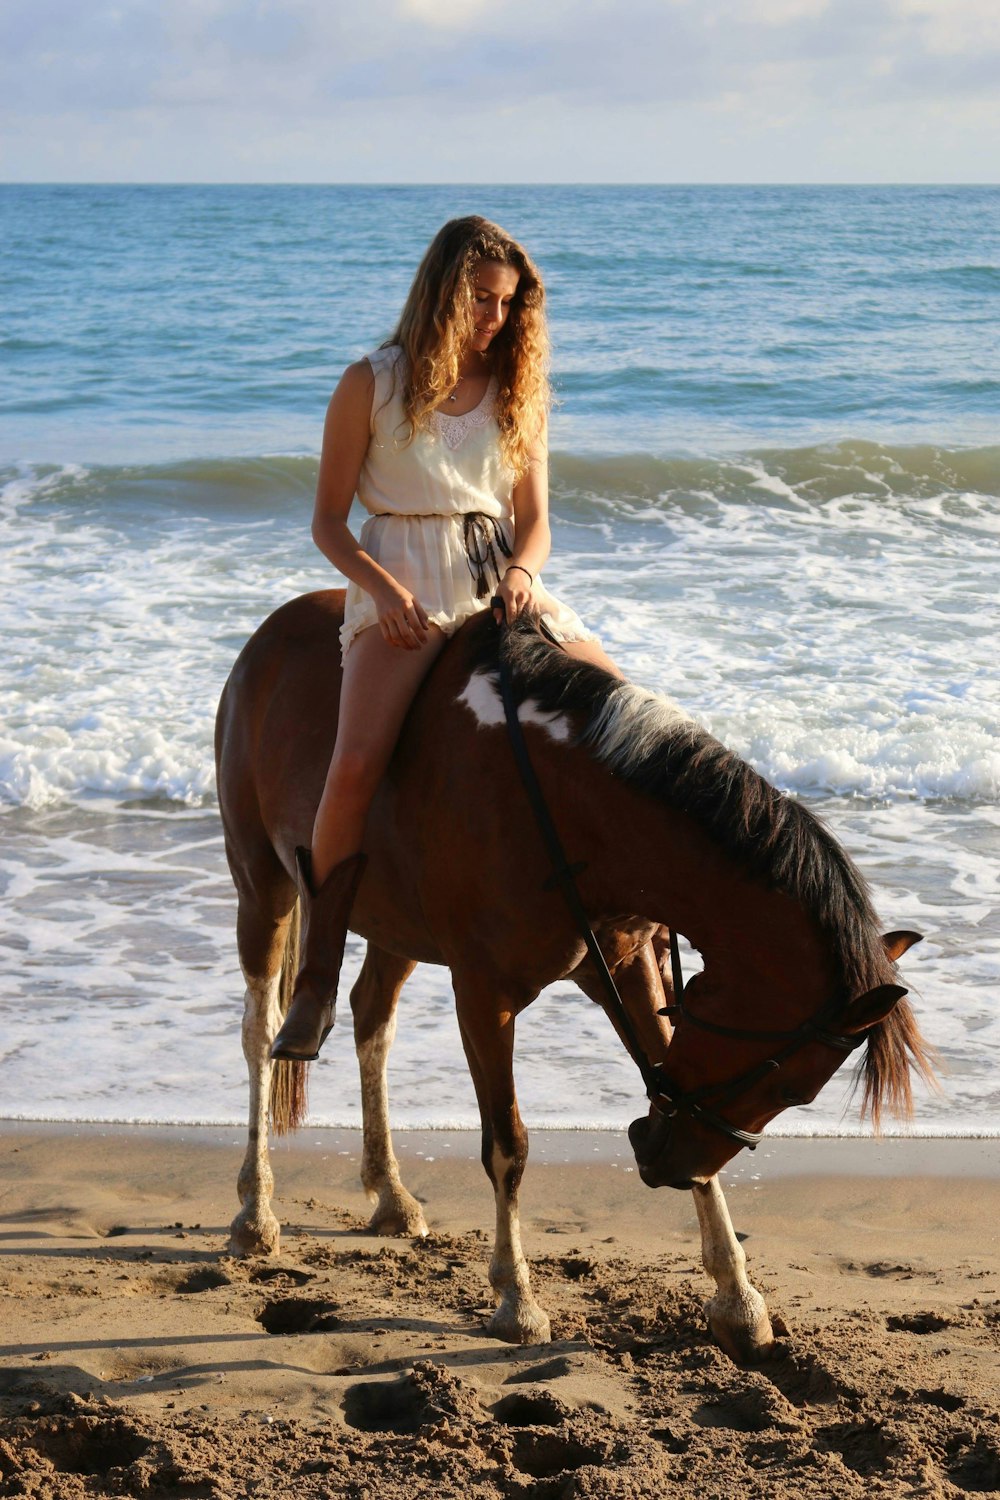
x: 499, y: 90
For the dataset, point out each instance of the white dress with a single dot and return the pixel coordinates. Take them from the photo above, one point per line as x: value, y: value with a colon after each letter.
x: 441, y: 516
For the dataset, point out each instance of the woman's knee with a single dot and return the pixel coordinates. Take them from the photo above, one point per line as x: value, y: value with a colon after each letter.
x: 353, y: 775
x: 593, y: 652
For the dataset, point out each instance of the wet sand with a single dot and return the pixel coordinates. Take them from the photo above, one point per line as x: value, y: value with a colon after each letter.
x: 138, y: 1358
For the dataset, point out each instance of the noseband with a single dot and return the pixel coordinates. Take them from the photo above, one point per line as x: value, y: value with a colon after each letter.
x: 666, y: 1096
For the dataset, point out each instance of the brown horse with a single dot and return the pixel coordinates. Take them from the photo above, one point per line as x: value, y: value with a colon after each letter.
x: 672, y: 829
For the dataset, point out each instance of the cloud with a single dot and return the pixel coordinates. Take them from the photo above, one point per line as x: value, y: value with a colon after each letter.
x: 461, y: 14
x: 950, y: 29
x: 475, y: 80
x: 781, y: 12
x: 303, y: 52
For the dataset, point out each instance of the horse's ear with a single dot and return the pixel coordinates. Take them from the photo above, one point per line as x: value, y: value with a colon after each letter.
x: 868, y: 1009
x: 898, y: 943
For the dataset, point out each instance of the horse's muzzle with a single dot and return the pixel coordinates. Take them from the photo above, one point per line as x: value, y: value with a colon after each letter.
x: 650, y: 1137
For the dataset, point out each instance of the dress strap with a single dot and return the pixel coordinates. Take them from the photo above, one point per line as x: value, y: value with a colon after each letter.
x: 385, y: 367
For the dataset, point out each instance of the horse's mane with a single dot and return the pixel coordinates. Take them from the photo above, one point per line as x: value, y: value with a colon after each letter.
x: 653, y: 746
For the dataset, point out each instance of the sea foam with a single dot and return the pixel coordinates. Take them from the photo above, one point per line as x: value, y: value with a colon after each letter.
x: 840, y: 642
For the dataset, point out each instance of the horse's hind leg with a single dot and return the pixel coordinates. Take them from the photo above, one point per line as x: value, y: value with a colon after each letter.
x: 263, y: 934
x: 373, y: 1003
x: 737, y: 1315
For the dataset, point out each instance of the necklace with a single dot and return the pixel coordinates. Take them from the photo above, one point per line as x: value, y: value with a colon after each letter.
x: 454, y: 394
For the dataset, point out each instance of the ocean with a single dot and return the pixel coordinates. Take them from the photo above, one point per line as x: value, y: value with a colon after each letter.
x: 775, y: 492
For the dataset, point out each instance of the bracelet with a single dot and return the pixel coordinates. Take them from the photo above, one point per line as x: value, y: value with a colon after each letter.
x: 520, y: 568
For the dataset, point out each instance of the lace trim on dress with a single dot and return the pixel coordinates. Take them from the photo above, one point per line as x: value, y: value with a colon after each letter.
x: 455, y: 430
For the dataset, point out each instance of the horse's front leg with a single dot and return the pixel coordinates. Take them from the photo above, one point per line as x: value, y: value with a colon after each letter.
x: 737, y: 1315
x: 373, y: 1003
x: 488, y: 1038
x: 642, y: 986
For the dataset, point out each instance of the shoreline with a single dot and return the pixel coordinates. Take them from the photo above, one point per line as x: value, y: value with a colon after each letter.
x: 777, y: 1157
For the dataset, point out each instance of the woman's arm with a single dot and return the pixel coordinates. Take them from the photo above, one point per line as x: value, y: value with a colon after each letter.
x: 346, y: 435
x: 532, y: 538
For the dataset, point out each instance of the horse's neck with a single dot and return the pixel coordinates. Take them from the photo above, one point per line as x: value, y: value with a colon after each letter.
x: 661, y: 864
x: 642, y: 857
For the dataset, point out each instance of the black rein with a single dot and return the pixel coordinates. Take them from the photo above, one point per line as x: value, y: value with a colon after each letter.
x: 665, y: 1095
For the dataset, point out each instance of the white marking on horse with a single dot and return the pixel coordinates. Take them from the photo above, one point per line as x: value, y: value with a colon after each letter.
x: 518, y: 1317
x: 255, y: 1230
x: 481, y: 696
x: 737, y: 1314
x: 396, y: 1210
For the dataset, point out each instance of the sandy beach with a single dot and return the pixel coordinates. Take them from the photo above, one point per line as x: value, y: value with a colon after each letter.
x: 138, y: 1358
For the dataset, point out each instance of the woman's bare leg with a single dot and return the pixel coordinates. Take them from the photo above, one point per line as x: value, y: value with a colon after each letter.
x: 378, y: 687
x: 593, y: 651
x: 380, y: 683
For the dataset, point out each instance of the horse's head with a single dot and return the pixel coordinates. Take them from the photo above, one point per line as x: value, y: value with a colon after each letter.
x: 721, y: 1083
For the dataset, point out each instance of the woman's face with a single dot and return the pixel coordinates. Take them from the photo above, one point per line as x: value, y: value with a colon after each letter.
x: 493, y: 288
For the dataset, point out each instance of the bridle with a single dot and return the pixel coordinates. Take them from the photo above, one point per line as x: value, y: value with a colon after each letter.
x: 666, y: 1096
x: 701, y: 1103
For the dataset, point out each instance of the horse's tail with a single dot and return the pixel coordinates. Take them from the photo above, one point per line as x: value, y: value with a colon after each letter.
x: 895, y: 1051
x: 289, y: 1101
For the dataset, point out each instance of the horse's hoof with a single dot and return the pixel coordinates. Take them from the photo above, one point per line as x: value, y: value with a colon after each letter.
x: 254, y: 1233
x: 747, y: 1338
x: 400, y: 1216
x: 526, y: 1324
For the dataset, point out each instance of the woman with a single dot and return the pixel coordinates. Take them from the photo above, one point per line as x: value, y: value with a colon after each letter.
x: 442, y: 435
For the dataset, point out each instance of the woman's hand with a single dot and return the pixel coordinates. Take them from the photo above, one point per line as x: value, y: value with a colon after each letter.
x: 401, y: 618
x: 514, y: 589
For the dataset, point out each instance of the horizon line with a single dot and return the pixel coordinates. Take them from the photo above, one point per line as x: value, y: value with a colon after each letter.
x: 480, y: 186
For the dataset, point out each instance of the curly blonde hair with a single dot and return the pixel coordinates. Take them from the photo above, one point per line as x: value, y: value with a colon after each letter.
x: 437, y: 324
